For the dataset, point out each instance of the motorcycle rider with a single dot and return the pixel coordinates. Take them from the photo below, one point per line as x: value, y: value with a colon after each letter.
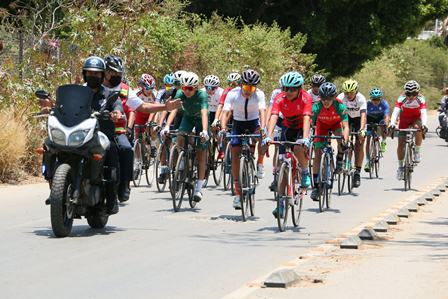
x: 443, y: 125
x: 112, y: 79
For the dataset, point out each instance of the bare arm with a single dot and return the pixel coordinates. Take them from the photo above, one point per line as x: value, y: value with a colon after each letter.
x: 170, y: 119
x: 271, y: 124
x: 131, y: 119
x: 306, y: 126
x: 225, y: 119
x: 204, y: 118
x: 346, y: 130
x: 363, y: 120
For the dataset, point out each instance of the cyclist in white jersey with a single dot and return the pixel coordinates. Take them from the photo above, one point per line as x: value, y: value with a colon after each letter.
x: 249, y: 107
x: 357, y: 118
x: 315, y: 82
x: 214, y: 92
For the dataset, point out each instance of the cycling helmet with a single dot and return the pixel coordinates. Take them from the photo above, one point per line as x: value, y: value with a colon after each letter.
x: 317, y: 79
x: 189, y: 79
x: 412, y: 86
x: 114, y: 63
x: 350, y: 86
x: 327, y: 90
x: 94, y: 63
x: 168, y: 79
x: 376, y: 93
x: 211, y: 80
x: 234, y: 76
x: 178, y: 76
x: 291, y: 79
x: 251, y: 77
x: 147, y: 81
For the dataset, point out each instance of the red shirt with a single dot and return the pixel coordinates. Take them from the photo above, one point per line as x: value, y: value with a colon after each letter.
x: 411, y: 110
x: 293, y: 111
x: 224, y: 95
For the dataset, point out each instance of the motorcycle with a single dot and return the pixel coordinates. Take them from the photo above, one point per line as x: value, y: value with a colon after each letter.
x: 73, y: 163
x: 442, y: 129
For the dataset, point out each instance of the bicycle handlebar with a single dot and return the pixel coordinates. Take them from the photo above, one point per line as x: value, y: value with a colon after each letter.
x: 326, y: 137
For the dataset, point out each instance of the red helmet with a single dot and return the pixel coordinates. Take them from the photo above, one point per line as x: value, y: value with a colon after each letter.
x: 147, y: 82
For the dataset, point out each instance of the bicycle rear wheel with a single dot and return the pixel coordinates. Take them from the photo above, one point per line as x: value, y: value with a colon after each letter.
x: 244, y: 185
x: 150, y: 167
x: 282, y: 200
x: 341, y: 182
x: 407, y: 168
x: 329, y: 184
x: 172, y: 161
x: 253, y: 184
x: 218, y: 167
x: 228, y: 168
x: 322, y: 182
x: 296, y: 205
x: 138, y: 163
x: 371, y: 154
x: 377, y: 158
x: 178, y: 183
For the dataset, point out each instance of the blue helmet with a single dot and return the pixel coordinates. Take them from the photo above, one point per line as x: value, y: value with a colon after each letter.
x: 376, y: 93
x: 291, y: 79
x: 327, y: 90
x: 168, y: 79
x: 94, y: 63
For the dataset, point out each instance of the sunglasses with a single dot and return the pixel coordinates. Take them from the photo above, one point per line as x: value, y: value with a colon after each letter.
x: 376, y: 99
x: 248, y: 88
x: 210, y: 88
x: 189, y: 88
x: 327, y: 99
x: 168, y: 87
x: 290, y: 89
x: 411, y: 94
x: 147, y: 87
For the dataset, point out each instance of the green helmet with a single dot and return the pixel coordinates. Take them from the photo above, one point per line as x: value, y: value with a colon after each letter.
x: 292, y: 79
x: 350, y: 86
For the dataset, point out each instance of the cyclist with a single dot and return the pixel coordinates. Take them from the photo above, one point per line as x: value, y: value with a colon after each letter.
x: 377, y: 113
x: 112, y: 83
x: 411, y: 107
x: 443, y: 124
x: 316, y: 81
x: 147, y: 93
x: 249, y: 107
x: 296, y: 106
x: 162, y: 94
x: 170, y: 92
x: 195, y: 107
x: 214, y: 92
x: 356, y: 105
x: 329, y: 115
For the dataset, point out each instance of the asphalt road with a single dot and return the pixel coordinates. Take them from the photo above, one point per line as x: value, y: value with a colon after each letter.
x: 148, y: 251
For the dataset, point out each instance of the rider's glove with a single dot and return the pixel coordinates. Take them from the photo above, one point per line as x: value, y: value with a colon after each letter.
x: 266, y: 140
x: 391, y: 130
x: 204, y: 135
x: 215, y: 122
x: 306, y: 142
x: 362, y: 133
x: 164, y: 131
x: 129, y: 132
x: 424, y: 129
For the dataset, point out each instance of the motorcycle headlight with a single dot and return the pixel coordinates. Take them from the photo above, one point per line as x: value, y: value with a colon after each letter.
x: 77, y: 138
x: 58, y: 136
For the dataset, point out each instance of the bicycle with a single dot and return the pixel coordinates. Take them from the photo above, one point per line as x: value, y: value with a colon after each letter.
x: 227, y: 167
x: 292, y: 192
x: 163, y: 148
x: 247, y: 180
x: 347, y: 172
x: 374, y: 153
x: 142, y: 157
x: 326, y: 175
x: 409, y: 152
x: 185, y: 172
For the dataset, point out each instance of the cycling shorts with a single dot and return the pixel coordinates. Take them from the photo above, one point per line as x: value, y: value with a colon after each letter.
x: 244, y: 127
x: 188, y: 123
x: 324, y: 130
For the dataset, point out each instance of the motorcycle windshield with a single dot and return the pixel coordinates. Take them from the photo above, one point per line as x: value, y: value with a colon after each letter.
x: 73, y: 104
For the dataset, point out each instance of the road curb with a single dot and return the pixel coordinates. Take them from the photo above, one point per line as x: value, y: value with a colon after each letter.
x: 282, y: 278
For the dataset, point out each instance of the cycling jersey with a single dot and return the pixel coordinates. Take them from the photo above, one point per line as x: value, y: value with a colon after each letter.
x: 133, y: 101
x: 142, y: 117
x: 410, y: 111
x: 355, y: 106
x: 315, y: 97
x: 293, y: 111
x: 328, y: 119
x: 224, y: 95
x: 213, y: 100
x: 376, y: 113
x: 245, y: 109
x: 192, y: 106
x: 274, y: 93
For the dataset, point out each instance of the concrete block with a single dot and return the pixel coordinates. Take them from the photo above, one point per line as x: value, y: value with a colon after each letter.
x: 403, y: 213
x: 381, y: 226
x: 368, y: 234
x: 392, y: 219
x: 412, y: 207
x: 352, y: 242
x: 281, y: 279
x: 420, y: 201
x: 428, y: 196
x: 441, y: 188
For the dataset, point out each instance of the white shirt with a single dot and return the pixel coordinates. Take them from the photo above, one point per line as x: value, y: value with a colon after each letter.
x: 356, y: 106
x: 213, y: 101
x: 133, y: 101
x: 145, y: 98
x: 315, y: 97
x: 241, y: 111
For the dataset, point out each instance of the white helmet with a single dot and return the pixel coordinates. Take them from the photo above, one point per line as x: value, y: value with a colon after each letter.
x: 189, y: 79
x: 234, y: 76
x: 178, y: 75
x: 412, y: 86
x: 211, y: 80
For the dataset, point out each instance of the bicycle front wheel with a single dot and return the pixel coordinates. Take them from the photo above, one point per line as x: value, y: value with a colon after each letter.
x: 296, y: 205
x: 282, y: 197
x: 329, y: 184
x: 218, y: 167
x: 228, y: 168
x: 377, y: 159
x: 178, y: 183
x: 160, y: 186
x: 138, y: 163
x: 244, y: 186
x: 407, y: 168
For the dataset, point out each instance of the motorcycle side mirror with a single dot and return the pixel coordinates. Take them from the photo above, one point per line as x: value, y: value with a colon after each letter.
x: 42, y: 94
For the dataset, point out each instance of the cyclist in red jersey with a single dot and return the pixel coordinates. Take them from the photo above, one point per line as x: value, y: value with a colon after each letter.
x: 329, y: 115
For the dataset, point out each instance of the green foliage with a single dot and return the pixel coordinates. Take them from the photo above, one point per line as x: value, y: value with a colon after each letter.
x: 344, y: 33
x: 424, y: 61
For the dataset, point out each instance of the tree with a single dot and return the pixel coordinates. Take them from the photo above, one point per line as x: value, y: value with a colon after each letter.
x: 344, y: 33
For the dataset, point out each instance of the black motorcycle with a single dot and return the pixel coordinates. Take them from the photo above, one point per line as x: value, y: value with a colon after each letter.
x: 74, y: 154
x: 442, y: 129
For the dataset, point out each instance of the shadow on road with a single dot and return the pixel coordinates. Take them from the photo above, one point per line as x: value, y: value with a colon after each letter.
x: 79, y: 231
x: 316, y: 210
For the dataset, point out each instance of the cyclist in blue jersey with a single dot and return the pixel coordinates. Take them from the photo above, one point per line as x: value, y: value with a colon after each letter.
x: 377, y: 113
